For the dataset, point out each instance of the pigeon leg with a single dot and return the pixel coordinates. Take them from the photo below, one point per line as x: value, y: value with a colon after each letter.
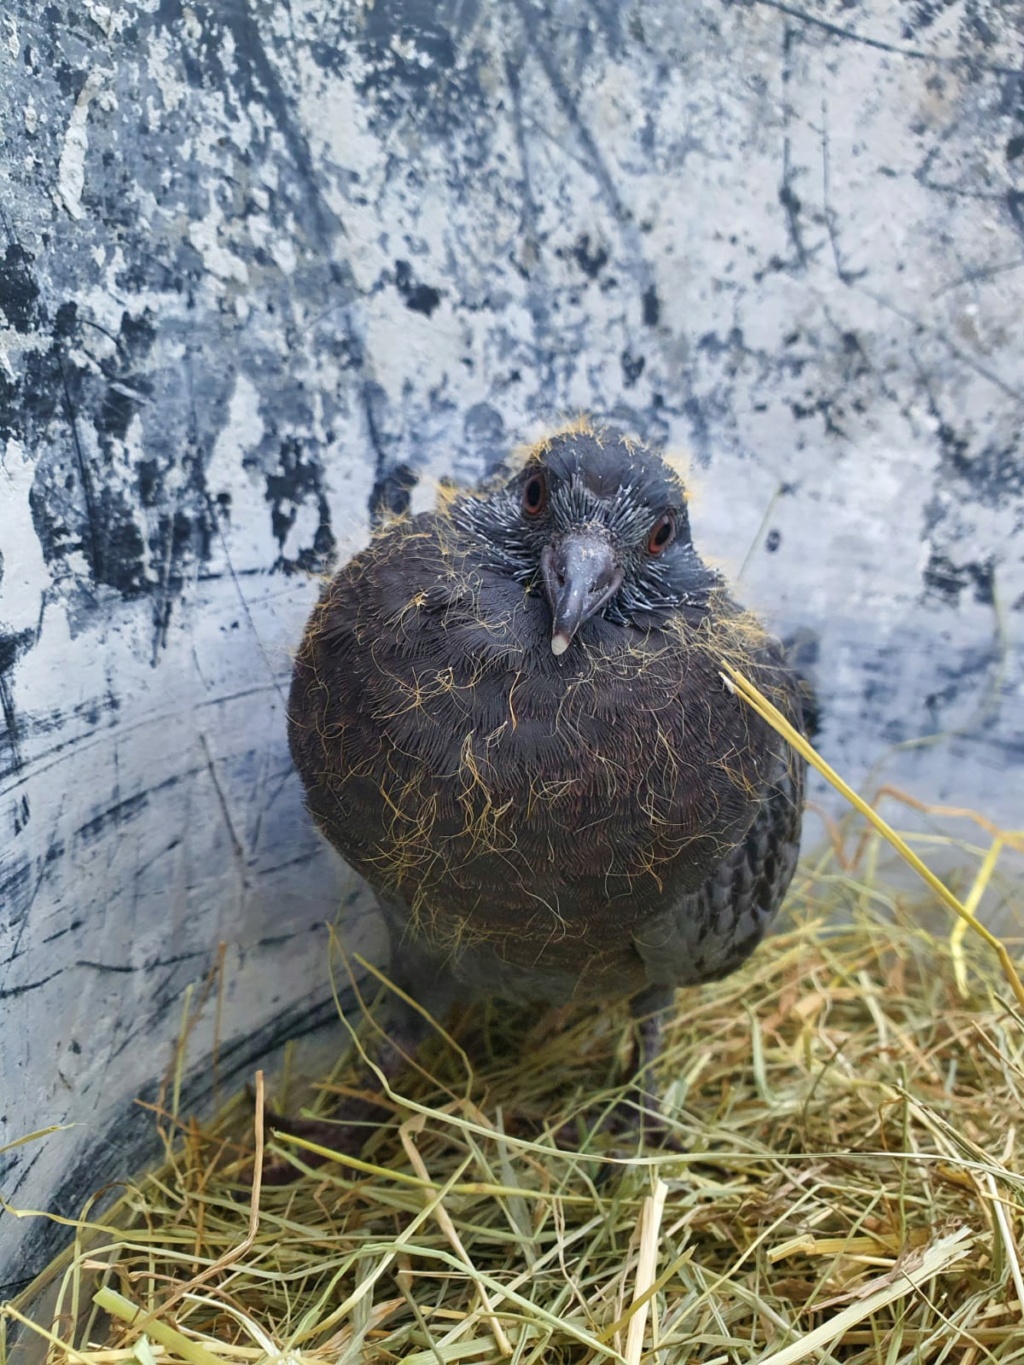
x: 638, y: 1117
x: 647, y: 1009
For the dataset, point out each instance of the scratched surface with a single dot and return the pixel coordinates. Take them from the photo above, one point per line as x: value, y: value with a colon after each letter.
x: 263, y: 270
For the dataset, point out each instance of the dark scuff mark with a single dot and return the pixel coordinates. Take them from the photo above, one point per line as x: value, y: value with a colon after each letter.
x: 29, y: 402
x: 11, y: 734
x: 608, y: 14
x: 297, y: 479
x: 12, y: 992
x: 544, y: 50
x: 12, y: 646
x: 820, y: 407
x: 72, y: 927
x: 961, y: 674
x: 792, y: 207
x: 484, y: 425
x: 20, y: 884
x: 590, y: 261
x: 788, y: 197
x: 652, y: 307
x: 391, y: 492
x: 128, y: 389
x: 173, y: 960
x: 852, y: 347
x: 632, y: 367
x: 983, y: 576
x: 113, y: 815
x: 946, y: 581
x: 1015, y: 207
x: 277, y: 940
x: 10, y: 403
x: 420, y: 298
x: 19, y: 293
x: 995, y: 473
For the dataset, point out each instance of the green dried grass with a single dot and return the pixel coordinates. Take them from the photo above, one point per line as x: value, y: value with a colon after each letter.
x: 850, y: 1186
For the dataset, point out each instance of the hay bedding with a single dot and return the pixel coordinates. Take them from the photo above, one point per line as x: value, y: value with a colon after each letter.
x: 848, y: 1185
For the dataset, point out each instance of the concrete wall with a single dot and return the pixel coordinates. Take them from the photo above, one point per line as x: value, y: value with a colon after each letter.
x: 263, y: 266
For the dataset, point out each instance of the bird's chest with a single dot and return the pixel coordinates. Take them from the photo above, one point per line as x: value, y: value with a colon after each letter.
x: 507, y: 789
x: 531, y: 737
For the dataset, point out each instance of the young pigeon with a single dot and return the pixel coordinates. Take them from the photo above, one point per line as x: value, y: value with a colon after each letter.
x: 509, y: 716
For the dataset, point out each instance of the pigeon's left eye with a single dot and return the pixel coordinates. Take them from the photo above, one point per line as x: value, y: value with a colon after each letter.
x: 663, y: 533
x: 535, y: 494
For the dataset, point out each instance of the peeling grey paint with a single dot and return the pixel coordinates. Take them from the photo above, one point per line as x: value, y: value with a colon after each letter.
x: 265, y: 274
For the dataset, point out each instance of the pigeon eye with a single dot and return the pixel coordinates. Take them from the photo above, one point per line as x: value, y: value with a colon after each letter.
x: 663, y: 533
x: 535, y: 494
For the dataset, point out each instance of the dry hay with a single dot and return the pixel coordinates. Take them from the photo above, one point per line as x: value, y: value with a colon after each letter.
x: 849, y: 1185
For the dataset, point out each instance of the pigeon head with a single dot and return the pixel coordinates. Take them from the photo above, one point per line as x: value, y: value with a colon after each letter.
x: 597, y: 523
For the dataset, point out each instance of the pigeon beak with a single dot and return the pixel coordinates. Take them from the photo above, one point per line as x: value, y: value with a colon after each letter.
x: 580, y: 575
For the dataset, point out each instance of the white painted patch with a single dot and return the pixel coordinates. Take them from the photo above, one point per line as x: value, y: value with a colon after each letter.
x: 251, y: 545
x: 217, y: 259
x: 109, y: 19
x: 25, y: 575
x: 163, y: 64
x: 283, y: 253
x: 71, y: 169
x: 336, y: 118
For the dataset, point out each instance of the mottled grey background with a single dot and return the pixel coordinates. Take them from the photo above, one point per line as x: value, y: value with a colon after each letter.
x: 264, y: 269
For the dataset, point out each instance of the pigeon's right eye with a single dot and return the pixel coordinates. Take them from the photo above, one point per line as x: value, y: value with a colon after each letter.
x: 535, y: 494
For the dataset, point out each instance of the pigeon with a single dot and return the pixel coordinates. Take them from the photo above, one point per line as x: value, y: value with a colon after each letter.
x: 510, y: 716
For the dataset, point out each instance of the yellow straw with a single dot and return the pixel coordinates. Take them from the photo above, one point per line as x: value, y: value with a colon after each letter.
x: 735, y: 680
